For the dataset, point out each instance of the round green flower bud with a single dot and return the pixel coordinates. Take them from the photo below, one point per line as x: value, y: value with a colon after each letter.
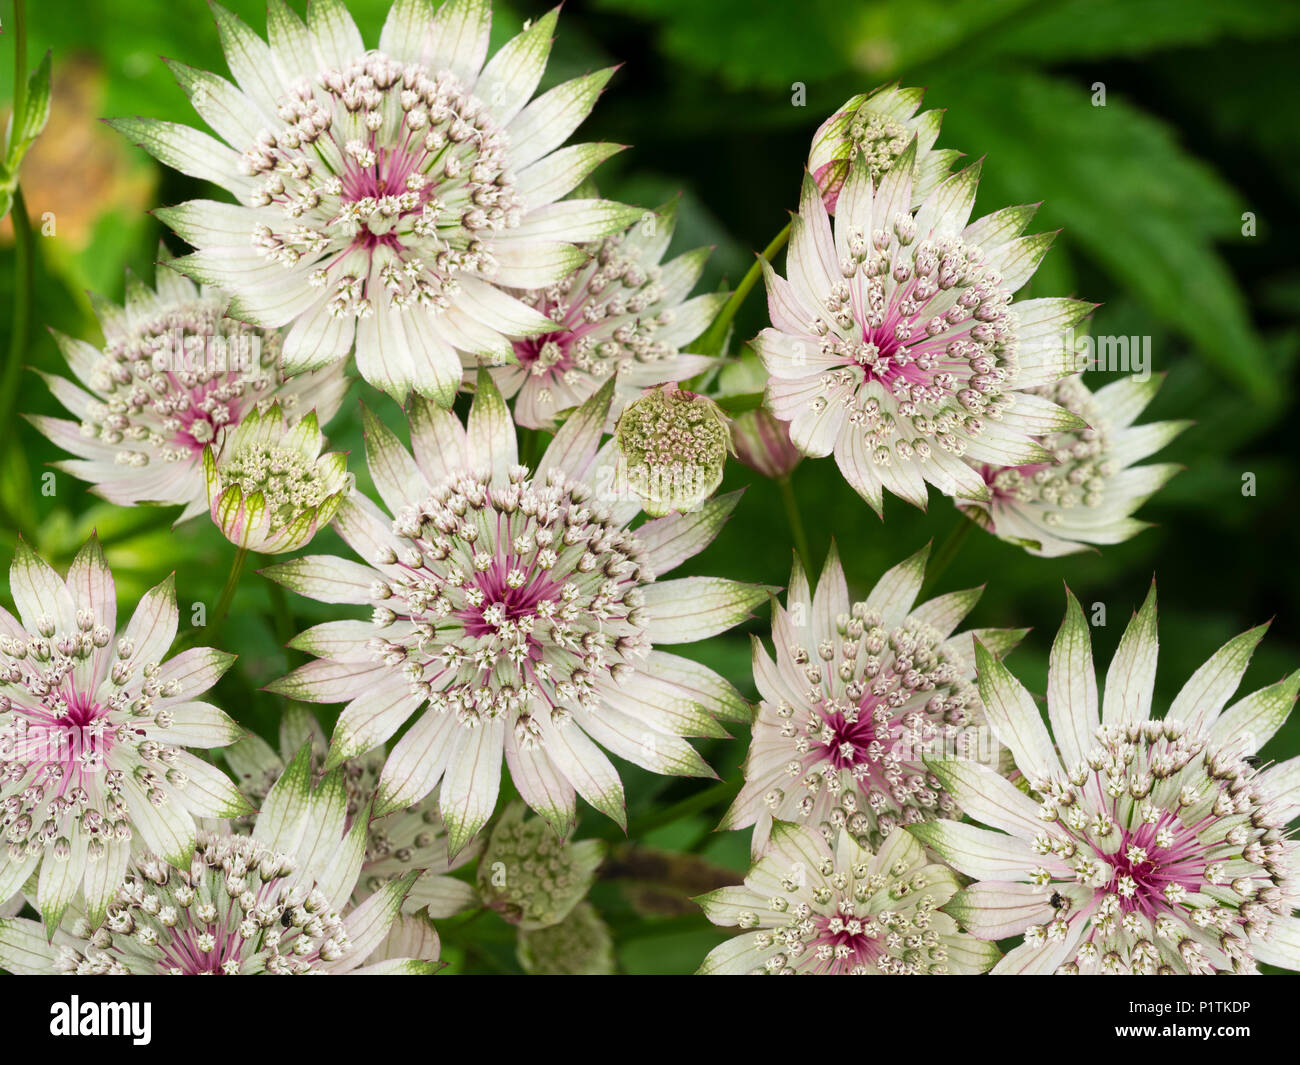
x: 873, y: 130
x: 672, y: 447
x: 531, y: 876
x: 269, y: 486
x: 580, y: 945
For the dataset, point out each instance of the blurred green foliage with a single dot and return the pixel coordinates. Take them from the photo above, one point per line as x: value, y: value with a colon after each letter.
x: 1197, y: 130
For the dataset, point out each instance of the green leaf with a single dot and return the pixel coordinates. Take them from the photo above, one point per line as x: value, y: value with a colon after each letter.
x: 776, y: 45
x: 766, y: 44
x: 1070, y: 29
x: 1127, y: 194
x: 36, y: 112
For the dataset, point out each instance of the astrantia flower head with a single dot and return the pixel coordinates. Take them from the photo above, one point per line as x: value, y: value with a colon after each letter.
x: 1144, y: 845
x: 269, y: 486
x: 896, y: 345
x: 809, y: 906
x: 273, y: 903
x: 515, y: 613
x: 531, y: 876
x: 94, y: 726
x: 621, y: 315
x: 872, y: 130
x: 407, y: 840
x: 387, y: 197
x: 1088, y: 488
x: 174, y: 375
x: 580, y: 945
x: 859, y: 695
x: 672, y: 449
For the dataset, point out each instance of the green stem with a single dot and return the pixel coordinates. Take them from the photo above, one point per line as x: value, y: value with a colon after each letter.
x: 796, y: 522
x: 948, y: 550
x: 24, y: 250
x: 227, y: 593
x: 284, y: 624
x: 711, y: 340
x: 20, y: 58
x: 24, y: 283
x: 722, y: 791
x: 528, y: 441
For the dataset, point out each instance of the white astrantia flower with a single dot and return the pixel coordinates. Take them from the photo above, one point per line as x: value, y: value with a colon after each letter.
x: 623, y: 314
x: 94, y: 729
x: 276, y: 902
x: 860, y: 694
x: 873, y: 130
x: 895, y: 343
x: 269, y: 487
x: 809, y: 906
x: 532, y: 877
x: 1144, y: 845
x: 406, y: 840
x: 175, y: 373
x: 513, y: 613
x: 1088, y: 488
x: 387, y: 197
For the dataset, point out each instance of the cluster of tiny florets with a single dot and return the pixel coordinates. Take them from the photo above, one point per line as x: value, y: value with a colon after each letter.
x: 288, y: 482
x: 383, y: 165
x: 876, y: 142
x: 856, y: 761
x: 1164, y: 846
x: 606, y: 314
x: 519, y: 595
x: 672, y: 445
x: 235, y: 911
x: 934, y: 331
x: 580, y: 945
x: 669, y: 429
x: 61, y: 746
x: 530, y: 875
x: 852, y: 922
x: 1080, y: 465
x: 169, y: 386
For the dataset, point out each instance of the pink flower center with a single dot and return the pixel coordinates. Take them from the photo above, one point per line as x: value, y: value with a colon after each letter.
x: 848, y: 741
x: 390, y: 209
x: 547, y: 353
x: 1143, y: 869
x: 503, y: 605
x: 380, y: 192
x: 82, y: 711
x: 996, y: 478
x: 199, y: 427
x: 885, y: 370
x: 182, y: 952
x: 174, y: 382
x: 848, y: 939
x: 906, y: 350
x: 63, y: 747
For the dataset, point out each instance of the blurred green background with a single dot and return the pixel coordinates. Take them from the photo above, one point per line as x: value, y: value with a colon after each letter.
x: 1198, y: 130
